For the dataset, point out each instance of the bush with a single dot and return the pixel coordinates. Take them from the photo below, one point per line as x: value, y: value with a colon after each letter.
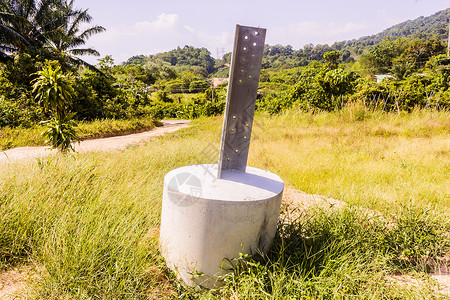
x: 60, y: 132
x: 213, y: 108
x: 10, y: 114
x: 13, y: 114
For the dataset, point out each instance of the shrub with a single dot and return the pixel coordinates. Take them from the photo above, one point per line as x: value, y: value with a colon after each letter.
x: 54, y: 90
x: 60, y: 132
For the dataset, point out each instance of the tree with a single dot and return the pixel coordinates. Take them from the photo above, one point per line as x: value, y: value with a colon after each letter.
x: 338, y: 82
x: 160, y: 69
x: 318, y: 51
x: 440, y: 66
x: 401, y: 68
x: 24, y: 25
x: 67, y: 37
x: 54, y: 91
x: 189, y: 56
x: 48, y: 28
x: 331, y: 59
x: 420, y: 51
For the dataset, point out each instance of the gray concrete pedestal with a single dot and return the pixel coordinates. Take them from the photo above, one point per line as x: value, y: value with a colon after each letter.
x: 206, y: 222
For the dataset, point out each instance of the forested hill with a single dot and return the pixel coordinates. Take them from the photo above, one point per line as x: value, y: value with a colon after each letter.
x: 282, y: 57
x: 434, y: 26
x: 186, y: 56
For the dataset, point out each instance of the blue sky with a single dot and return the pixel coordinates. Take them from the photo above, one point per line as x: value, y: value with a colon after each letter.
x: 136, y: 27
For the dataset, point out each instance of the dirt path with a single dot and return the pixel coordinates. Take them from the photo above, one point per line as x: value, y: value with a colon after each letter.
x: 103, y: 144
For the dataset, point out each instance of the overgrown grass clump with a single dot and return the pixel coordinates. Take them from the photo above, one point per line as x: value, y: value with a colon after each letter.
x: 328, y: 253
x: 84, y: 225
x: 89, y: 222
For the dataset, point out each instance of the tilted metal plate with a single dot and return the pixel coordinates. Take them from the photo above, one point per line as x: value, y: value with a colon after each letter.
x: 240, y: 106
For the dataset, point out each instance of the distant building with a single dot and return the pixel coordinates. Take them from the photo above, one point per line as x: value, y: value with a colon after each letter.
x: 379, y: 78
x: 217, y: 81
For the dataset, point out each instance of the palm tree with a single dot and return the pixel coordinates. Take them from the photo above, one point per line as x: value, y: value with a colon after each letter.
x: 402, y: 68
x: 68, y: 37
x: 52, y: 26
x: 24, y: 25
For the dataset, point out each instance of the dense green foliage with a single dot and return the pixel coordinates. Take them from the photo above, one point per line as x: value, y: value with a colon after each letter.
x: 401, y: 56
x: 53, y: 89
x: 44, y: 29
x: 330, y: 86
x: 189, y: 56
x: 178, y: 83
x: 433, y: 27
x: 33, y: 33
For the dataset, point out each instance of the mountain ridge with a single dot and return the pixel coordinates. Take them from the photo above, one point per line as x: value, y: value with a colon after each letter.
x: 433, y: 26
x: 279, y: 56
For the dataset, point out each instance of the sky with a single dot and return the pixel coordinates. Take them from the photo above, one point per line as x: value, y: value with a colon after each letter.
x: 135, y: 27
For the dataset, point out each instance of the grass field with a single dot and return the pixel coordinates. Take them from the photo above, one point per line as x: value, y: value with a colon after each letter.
x: 88, y: 223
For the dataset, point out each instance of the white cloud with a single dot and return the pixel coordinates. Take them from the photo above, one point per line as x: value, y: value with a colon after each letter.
x: 164, y: 33
x: 301, y: 33
x: 162, y: 22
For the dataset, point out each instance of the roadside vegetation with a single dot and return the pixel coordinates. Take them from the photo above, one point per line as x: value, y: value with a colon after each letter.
x: 88, y: 224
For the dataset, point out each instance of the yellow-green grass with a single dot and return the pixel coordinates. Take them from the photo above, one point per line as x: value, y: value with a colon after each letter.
x: 90, y: 221
x: 20, y: 137
x: 382, y: 162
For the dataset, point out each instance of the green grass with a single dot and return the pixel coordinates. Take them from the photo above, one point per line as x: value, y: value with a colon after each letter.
x: 20, y: 137
x: 323, y: 254
x: 90, y: 221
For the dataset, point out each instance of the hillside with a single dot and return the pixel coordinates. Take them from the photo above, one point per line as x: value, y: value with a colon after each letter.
x: 434, y: 26
x: 282, y: 57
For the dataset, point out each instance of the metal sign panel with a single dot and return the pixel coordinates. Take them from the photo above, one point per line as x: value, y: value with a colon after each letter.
x: 240, y: 106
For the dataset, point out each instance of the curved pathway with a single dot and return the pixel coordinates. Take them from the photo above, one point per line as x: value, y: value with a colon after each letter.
x: 102, y: 144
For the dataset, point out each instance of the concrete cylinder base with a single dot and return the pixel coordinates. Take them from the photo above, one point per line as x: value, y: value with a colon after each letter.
x: 207, y: 222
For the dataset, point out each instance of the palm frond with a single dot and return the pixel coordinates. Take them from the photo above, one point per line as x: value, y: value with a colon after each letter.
x: 12, y: 36
x: 79, y: 62
x: 36, y: 25
x: 87, y: 51
x: 93, y: 30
